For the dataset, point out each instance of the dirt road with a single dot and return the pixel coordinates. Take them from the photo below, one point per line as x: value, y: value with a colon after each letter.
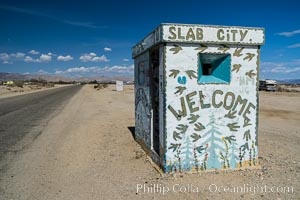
x: 87, y: 152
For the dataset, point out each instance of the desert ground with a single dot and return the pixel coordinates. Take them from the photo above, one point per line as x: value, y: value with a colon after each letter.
x: 88, y: 152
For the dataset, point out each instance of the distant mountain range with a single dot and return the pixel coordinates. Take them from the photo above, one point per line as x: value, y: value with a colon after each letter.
x: 289, y: 81
x: 15, y: 76
x: 51, y: 78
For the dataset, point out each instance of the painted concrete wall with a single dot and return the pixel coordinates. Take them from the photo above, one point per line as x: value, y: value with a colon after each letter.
x: 206, y: 121
x: 217, y: 123
x: 143, y: 106
x: 142, y: 102
x: 162, y: 133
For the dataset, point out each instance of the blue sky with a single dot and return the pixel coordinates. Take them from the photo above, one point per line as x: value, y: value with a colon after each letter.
x: 94, y: 38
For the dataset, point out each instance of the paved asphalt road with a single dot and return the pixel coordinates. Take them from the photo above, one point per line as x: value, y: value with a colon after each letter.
x: 28, y: 114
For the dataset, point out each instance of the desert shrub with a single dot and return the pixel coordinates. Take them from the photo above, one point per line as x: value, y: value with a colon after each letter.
x: 105, y: 85
x: 280, y: 88
x: 93, y: 82
x: 33, y: 80
x: 49, y: 85
x: 18, y: 83
x: 100, y: 86
x: 286, y: 88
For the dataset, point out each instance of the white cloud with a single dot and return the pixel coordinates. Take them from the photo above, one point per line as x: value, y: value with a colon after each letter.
x: 8, y: 58
x: 18, y: 55
x: 100, y: 59
x: 51, y: 17
x: 34, y: 52
x: 42, y: 72
x: 83, y: 24
x: 4, y: 57
x: 45, y: 58
x: 120, y: 69
x: 96, y: 70
x: 65, y: 58
x: 92, y: 57
x: 297, y: 45
x: 293, y: 62
x: 59, y: 72
x: 271, y: 64
x: 6, y: 62
x: 42, y: 58
x: 290, y: 33
x: 51, y: 54
x: 29, y: 59
x: 281, y: 67
x: 285, y: 70
x: 107, y: 49
x: 125, y: 59
x: 80, y: 69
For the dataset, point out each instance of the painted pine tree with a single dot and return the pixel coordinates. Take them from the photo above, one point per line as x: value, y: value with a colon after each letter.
x: 233, y: 159
x: 213, y: 136
x: 187, y: 154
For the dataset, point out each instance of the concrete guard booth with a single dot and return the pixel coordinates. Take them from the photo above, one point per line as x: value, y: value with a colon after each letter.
x: 196, y: 96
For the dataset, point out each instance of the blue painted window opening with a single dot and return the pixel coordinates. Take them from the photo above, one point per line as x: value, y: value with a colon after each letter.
x: 214, y: 68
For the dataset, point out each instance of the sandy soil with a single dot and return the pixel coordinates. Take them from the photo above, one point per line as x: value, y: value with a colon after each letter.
x: 88, y: 152
x: 6, y: 91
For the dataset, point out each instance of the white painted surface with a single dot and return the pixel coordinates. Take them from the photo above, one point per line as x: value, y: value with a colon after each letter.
x: 119, y: 86
x: 232, y: 35
x: 183, y: 44
x: 240, y: 84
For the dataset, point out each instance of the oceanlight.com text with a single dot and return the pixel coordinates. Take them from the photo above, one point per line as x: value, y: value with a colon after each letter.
x: 213, y: 188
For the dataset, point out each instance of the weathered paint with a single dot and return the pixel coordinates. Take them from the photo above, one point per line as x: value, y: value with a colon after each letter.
x: 212, y: 34
x: 220, y: 118
x: 200, y: 34
x: 206, y: 121
x: 142, y: 103
x: 162, y: 107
